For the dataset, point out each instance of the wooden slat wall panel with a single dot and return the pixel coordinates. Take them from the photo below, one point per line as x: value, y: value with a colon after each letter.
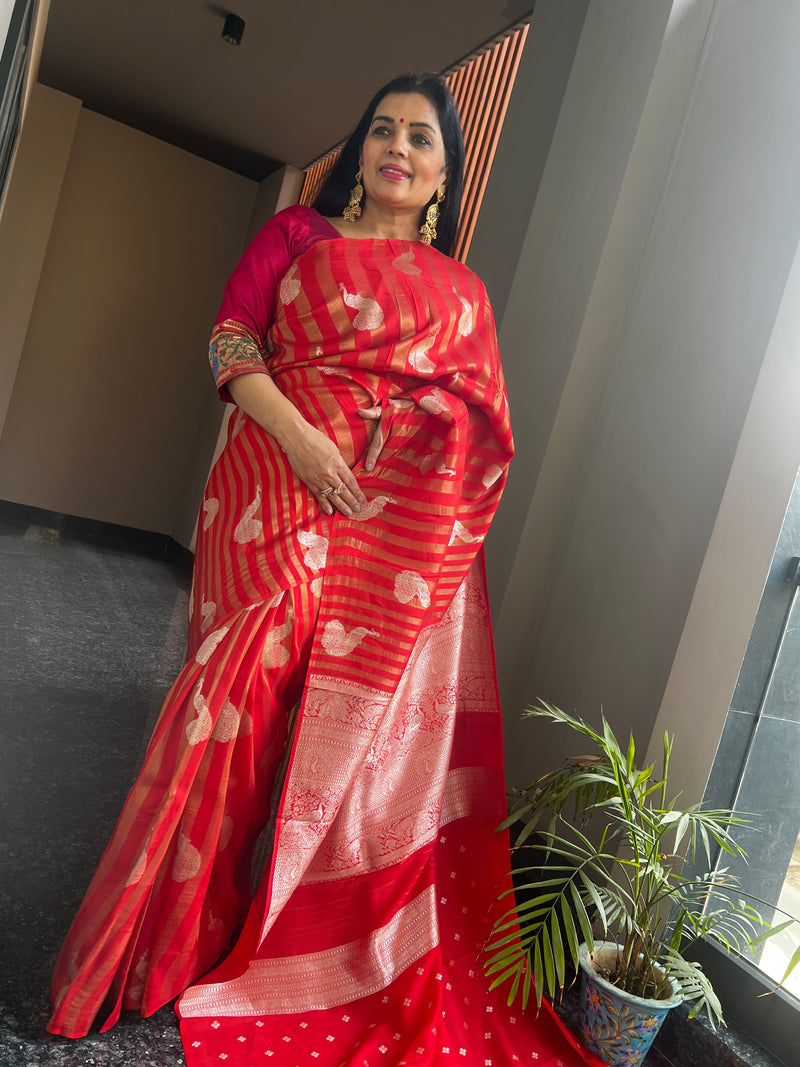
x: 482, y: 97
x: 481, y: 88
x: 316, y: 175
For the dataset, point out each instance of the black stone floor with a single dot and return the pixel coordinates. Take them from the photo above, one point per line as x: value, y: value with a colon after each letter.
x: 91, y: 639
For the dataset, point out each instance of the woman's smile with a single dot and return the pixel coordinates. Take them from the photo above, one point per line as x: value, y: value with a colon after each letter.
x: 394, y: 173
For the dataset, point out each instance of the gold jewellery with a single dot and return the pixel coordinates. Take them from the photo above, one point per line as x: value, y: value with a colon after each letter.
x: 428, y: 228
x: 331, y: 489
x: 353, y: 209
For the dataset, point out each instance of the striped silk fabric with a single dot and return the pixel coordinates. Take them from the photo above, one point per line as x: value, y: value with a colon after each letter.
x: 317, y: 803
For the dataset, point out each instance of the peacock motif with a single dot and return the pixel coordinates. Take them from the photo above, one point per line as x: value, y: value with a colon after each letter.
x: 370, y: 314
x: 338, y: 642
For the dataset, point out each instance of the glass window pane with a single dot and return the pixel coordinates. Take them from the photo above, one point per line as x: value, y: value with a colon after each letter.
x: 757, y: 766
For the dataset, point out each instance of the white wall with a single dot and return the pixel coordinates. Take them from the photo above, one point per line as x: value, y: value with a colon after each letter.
x: 524, y: 145
x: 648, y: 287
x: 547, y: 314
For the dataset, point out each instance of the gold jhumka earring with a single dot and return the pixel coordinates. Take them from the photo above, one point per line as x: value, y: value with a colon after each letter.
x: 353, y: 209
x: 428, y: 228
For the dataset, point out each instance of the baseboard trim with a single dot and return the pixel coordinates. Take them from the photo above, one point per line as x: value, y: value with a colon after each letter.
x: 15, y: 516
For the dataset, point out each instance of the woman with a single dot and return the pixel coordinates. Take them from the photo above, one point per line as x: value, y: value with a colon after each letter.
x: 326, y: 772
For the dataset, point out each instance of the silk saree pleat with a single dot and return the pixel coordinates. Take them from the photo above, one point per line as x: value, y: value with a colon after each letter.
x: 362, y: 943
x: 384, y: 884
x: 175, y: 880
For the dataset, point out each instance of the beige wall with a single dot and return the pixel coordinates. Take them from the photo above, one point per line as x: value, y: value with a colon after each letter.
x: 109, y: 413
x: 29, y: 206
x: 281, y: 189
x: 275, y: 192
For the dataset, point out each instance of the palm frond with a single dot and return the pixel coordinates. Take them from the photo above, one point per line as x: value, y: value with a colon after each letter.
x: 695, y: 987
x: 628, y: 887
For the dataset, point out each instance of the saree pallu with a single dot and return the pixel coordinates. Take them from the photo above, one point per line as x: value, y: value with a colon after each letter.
x: 364, y: 818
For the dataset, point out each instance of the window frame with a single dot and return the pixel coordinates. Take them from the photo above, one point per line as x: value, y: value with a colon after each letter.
x: 750, y: 1000
x: 13, y: 66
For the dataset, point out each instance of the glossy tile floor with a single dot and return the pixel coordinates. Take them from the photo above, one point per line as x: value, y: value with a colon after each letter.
x: 92, y: 638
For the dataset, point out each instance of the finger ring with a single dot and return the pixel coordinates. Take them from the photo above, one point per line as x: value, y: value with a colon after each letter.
x: 338, y: 489
x: 326, y: 492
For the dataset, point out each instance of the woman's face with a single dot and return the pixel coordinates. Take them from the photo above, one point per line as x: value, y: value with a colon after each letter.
x: 403, y: 157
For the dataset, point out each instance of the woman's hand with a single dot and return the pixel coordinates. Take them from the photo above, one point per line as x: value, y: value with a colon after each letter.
x: 317, y: 462
x: 376, y: 444
x: 313, y: 457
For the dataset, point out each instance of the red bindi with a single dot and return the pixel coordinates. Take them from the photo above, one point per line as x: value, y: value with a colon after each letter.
x: 402, y: 120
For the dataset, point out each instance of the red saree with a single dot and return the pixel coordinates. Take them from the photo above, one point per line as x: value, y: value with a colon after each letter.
x: 364, y: 816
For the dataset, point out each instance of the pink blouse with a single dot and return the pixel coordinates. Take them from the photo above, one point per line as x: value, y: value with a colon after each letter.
x: 239, y: 339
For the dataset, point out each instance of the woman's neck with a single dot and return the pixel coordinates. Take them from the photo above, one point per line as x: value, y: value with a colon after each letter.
x: 377, y: 223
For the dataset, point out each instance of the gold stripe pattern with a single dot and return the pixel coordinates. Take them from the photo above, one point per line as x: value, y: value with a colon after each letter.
x: 319, y: 980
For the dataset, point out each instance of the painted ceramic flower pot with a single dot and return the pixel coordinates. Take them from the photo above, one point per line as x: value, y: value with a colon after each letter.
x: 617, y: 1026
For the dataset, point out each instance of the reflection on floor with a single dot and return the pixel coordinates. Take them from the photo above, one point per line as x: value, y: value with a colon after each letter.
x: 92, y: 639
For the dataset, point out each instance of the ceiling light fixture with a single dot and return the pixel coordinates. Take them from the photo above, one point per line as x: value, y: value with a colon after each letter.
x: 233, y: 29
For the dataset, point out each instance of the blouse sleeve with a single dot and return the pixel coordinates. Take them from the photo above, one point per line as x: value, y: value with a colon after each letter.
x: 239, y: 337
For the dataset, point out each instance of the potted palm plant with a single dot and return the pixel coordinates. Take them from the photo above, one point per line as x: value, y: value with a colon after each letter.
x: 608, y: 897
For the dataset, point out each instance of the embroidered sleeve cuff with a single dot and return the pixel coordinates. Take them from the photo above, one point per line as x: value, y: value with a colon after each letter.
x: 233, y: 351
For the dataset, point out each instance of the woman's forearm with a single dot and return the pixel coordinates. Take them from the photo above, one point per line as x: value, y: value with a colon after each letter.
x: 313, y: 456
x: 259, y: 397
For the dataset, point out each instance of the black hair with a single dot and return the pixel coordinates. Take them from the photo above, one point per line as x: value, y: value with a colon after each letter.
x: 335, y: 193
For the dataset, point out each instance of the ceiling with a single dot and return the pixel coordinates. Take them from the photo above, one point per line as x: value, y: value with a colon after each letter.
x: 295, y: 86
